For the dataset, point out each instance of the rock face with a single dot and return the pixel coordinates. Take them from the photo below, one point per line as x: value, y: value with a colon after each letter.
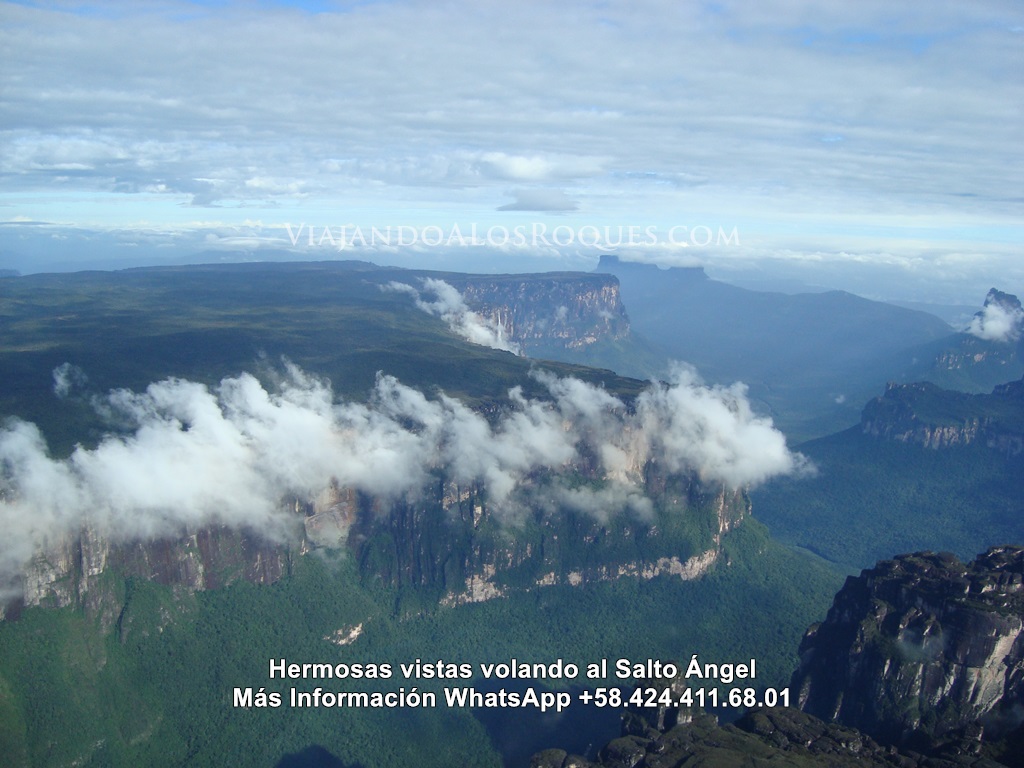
x: 77, y: 570
x: 1001, y: 318
x: 925, y: 414
x: 989, y: 351
x: 544, y: 313
x: 453, y: 543
x: 921, y: 647
x: 448, y: 544
x: 919, y: 664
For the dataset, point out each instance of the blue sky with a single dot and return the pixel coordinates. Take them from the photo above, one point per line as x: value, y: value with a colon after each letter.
x: 869, y: 146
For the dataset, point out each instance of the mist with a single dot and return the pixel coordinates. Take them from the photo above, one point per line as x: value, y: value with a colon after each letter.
x: 449, y: 305
x: 997, y: 322
x: 193, y: 456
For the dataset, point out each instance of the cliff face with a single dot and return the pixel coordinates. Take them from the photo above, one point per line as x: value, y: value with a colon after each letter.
x: 82, y: 570
x: 920, y: 646
x: 764, y: 737
x: 924, y: 414
x: 989, y: 351
x: 548, y: 312
x: 448, y: 543
x: 77, y: 570
x: 454, y: 544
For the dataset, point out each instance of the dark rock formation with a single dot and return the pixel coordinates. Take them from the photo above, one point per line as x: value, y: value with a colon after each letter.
x: 921, y: 647
x: 919, y: 664
x: 78, y: 570
x: 448, y: 543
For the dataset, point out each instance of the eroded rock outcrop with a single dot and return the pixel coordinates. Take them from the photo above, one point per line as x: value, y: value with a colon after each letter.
x: 927, y: 415
x: 920, y: 646
x: 448, y: 542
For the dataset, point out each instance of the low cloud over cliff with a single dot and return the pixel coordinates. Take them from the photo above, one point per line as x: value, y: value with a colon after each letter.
x: 195, y: 456
x: 997, y: 323
x: 449, y: 305
x: 1001, y: 319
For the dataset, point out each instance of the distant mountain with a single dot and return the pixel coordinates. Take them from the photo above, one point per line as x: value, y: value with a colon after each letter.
x: 567, y: 316
x: 810, y: 358
x: 927, y: 468
x: 990, y: 349
x: 132, y: 327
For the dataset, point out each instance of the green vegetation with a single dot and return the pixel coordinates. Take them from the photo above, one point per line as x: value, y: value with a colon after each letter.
x: 130, y: 328
x: 156, y: 687
x: 144, y: 675
x: 874, y: 498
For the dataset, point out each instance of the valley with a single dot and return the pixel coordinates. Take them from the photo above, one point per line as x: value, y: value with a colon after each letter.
x: 388, y: 490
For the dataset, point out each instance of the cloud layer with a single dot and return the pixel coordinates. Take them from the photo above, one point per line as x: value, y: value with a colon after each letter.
x: 811, y: 126
x: 232, y: 455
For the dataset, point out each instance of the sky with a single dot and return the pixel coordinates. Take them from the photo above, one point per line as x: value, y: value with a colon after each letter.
x: 869, y: 146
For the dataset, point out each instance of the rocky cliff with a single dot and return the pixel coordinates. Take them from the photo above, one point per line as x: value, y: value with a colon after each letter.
x: 925, y: 414
x: 921, y: 647
x: 544, y: 313
x: 988, y: 351
x: 448, y: 543
x: 919, y: 664
x: 764, y: 737
x: 86, y: 570
x: 455, y: 545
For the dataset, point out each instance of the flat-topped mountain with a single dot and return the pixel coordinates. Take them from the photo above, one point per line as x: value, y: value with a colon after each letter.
x: 810, y: 358
x: 927, y: 468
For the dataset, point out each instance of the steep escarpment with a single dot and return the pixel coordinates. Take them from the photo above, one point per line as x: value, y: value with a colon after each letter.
x: 455, y: 544
x: 988, y: 351
x: 76, y: 570
x: 449, y: 542
x: 921, y: 647
x: 927, y: 415
x: 552, y: 311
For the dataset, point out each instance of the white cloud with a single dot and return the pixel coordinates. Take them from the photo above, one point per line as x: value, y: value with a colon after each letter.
x: 687, y: 424
x: 382, y: 106
x: 195, y: 456
x: 540, y: 200
x: 449, y: 305
x: 66, y: 378
x: 997, y: 322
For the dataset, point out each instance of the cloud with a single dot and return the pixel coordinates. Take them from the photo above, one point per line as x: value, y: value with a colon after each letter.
x: 540, y: 200
x: 66, y: 378
x: 499, y: 165
x: 155, y: 108
x: 449, y: 305
x: 188, y: 456
x: 713, y: 429
x: 1001, y: 319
